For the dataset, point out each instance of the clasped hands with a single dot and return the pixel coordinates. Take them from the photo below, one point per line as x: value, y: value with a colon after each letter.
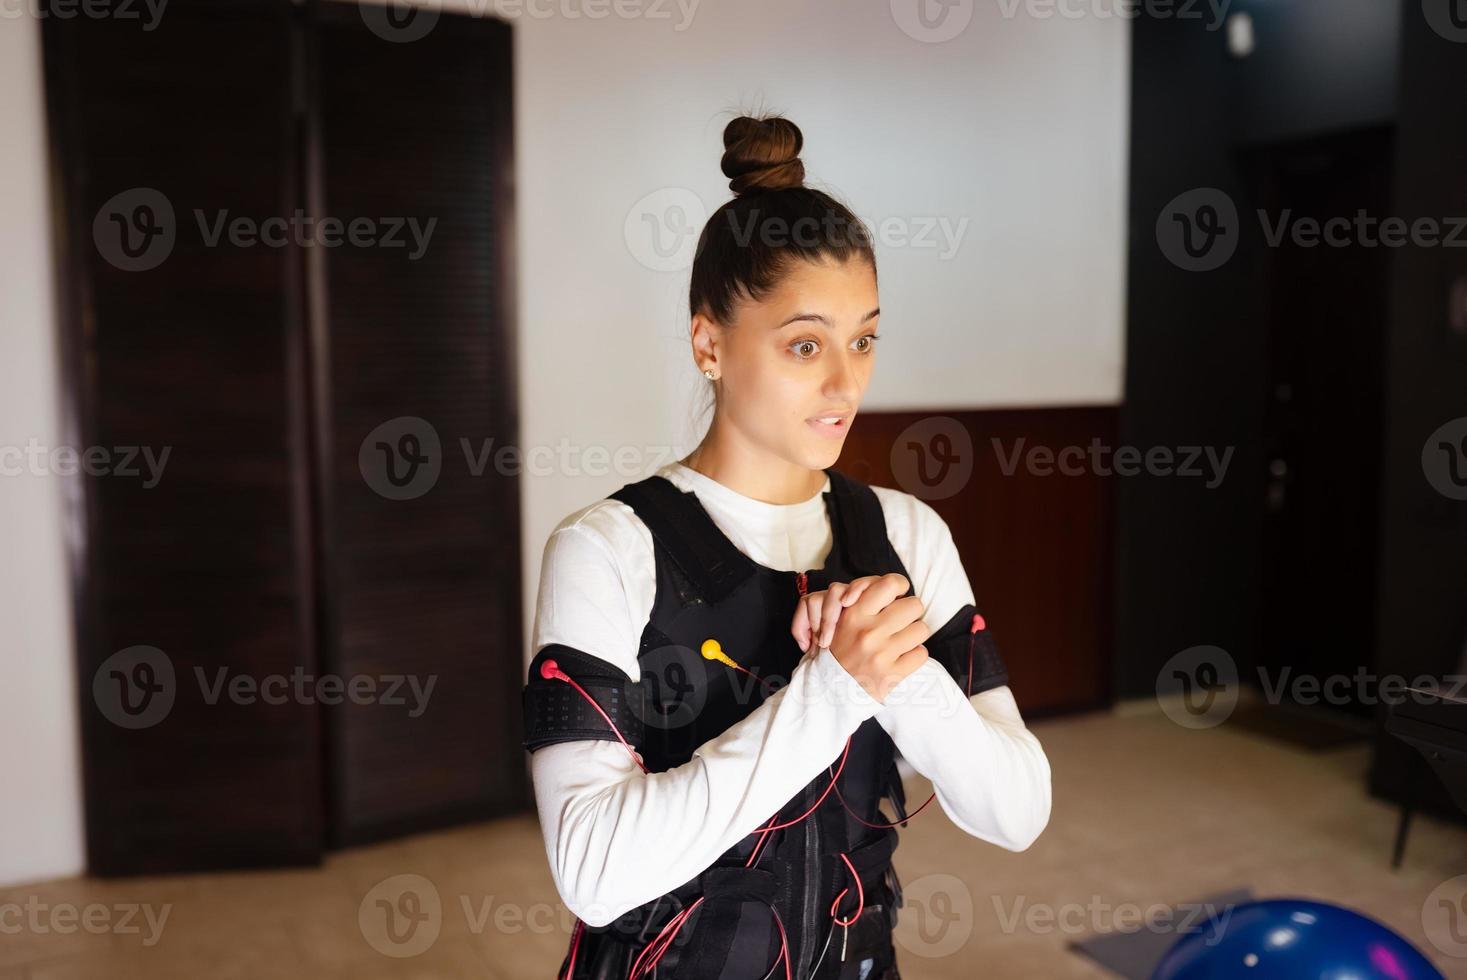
x: 872, y: 627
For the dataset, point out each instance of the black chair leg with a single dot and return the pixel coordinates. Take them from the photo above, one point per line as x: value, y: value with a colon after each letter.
x: 1402, y: 827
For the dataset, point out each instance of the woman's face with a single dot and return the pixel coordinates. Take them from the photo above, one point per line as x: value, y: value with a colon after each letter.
x: 803, y: 353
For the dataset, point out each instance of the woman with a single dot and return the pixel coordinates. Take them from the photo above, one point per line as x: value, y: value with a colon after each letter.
x: 731, y: 652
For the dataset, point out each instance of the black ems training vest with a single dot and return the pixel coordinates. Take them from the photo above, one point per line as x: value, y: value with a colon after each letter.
x: 708, y: 589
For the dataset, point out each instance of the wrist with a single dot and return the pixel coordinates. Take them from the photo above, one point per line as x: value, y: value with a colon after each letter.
x: 841, y: 686
x: 930, y: 687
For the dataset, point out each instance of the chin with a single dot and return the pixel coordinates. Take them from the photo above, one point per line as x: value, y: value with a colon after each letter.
x: 823, y: 456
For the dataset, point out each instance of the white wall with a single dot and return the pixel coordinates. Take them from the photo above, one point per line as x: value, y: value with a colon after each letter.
x: 1016, y: 126
x: 40, y: 783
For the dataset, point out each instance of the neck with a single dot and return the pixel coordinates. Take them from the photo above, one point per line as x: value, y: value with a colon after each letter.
x: 753, y: 472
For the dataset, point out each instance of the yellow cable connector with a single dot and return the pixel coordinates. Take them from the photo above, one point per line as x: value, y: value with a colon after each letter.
x: 713, y: 650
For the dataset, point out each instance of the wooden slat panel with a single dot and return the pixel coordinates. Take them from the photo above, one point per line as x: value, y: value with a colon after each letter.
x: 427, y: 586
x: 191, y: 355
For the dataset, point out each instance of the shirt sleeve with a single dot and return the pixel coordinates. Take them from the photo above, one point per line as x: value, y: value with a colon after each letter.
x: 617, y: 837
x: 990, y: 773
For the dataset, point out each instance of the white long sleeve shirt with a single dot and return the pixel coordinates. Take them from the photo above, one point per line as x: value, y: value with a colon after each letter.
x: 617, y: 837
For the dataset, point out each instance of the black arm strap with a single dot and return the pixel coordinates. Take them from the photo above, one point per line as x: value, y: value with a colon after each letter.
x: 554, y: 711
x: 949, y: 647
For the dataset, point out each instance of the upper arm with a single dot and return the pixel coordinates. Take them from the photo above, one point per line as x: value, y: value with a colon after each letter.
x: 925, y: 545
x: 926, y: 548
x: 592, y: 586
x: 596, y: 586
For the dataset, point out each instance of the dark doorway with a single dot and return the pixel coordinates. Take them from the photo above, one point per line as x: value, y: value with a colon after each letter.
x: 1325, y: 280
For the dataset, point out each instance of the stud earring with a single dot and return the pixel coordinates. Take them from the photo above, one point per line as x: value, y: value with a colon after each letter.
x: 709, y: 375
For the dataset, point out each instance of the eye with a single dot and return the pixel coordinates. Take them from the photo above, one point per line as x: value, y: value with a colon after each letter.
x: 814, y: 346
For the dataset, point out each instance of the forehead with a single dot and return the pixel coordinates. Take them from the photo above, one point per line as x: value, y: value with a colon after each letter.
x: 843, y: 291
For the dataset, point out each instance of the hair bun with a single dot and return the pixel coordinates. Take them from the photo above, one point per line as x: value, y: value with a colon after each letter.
x: 762, y: 154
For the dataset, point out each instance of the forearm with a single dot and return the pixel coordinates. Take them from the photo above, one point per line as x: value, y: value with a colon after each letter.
x: 617, y: 837
x: 989, y: 771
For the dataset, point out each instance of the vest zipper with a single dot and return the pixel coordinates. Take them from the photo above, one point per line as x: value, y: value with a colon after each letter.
x: 806, y: 944
x: 812, y: 884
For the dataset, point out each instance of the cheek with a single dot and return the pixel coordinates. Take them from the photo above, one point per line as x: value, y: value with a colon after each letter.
x: 778, y: 395
x: 793, y: 391
x: 774, y: 375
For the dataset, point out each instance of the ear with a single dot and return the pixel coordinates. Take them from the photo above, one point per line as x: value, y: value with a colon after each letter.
x: 707, y: 338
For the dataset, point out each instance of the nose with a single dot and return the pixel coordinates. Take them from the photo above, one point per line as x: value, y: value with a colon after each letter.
x: 842, y: 383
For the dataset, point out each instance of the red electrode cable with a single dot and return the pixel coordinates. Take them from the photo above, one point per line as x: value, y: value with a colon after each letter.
x: 860, y: 897
x: 550, y: 670
x: 978, y: 624
x: 654, y: 951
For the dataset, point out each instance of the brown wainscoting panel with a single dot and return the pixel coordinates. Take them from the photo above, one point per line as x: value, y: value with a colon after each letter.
x: 1036, y: 543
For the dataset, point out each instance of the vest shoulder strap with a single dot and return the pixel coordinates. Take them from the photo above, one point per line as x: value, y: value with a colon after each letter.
x: 706, y: 557
x: 713, y: 566
x: 863, y: 526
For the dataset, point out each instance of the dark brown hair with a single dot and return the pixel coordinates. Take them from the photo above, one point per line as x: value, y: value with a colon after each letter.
x: 750, y: 242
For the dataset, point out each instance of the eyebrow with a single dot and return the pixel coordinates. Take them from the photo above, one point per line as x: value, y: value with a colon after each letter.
x: 821, y: 318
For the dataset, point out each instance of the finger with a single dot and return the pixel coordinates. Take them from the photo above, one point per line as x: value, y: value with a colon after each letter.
x: 899, y: 613
x: 859, y: 586
x: 880, y: 593
x: 911, y: 661
x: 800, y: 625
x: 911, y: 636
x: 814, y: 604
x: 830, y: 612
x: 829, y: 616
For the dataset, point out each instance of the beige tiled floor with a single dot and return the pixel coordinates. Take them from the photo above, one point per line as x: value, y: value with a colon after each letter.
x: 1145, y: 812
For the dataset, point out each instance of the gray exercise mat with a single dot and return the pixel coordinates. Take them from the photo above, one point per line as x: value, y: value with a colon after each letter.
x: 1135, y: 955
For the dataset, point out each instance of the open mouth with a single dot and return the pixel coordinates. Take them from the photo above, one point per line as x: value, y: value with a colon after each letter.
x: 832, y: 425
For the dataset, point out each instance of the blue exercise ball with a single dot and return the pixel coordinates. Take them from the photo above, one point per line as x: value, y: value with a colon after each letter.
x: 1292, y: 939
